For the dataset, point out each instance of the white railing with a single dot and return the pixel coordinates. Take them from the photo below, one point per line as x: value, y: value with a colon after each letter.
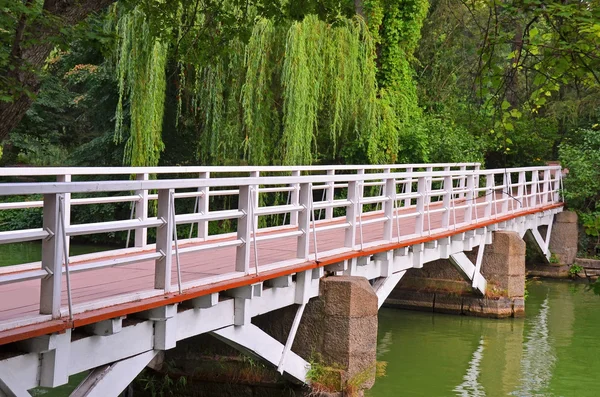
x: 453, y: 194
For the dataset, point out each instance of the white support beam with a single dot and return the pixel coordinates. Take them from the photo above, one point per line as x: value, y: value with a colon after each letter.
x: 205, y: 302
x: 10, y: 385
x: 54, y: 351
x: 292, y: 335
x: 165, y: 326
x: 384, y: 286
x: 540, y: 242
x: 468, y: 270
x: 111, y: 380
x: 106, y: 327
x: 252, y: 340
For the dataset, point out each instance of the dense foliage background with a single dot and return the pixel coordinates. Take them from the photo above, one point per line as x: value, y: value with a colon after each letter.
x: 508, y: 83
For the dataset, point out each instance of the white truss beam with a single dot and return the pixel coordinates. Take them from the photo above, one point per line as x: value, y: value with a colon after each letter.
x: 384, y: 286
x: 252, y: 340
x: 111, y: 380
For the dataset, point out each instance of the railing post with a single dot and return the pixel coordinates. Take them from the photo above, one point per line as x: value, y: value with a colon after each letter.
x: 462, y: 180
x: 506, y: 191
x: 556, y: 189
x: 294, y: 199
x: 534, y: 186
x: 477, y: 168
x: 470, y: 198
x: 489, y: 194
x: 242, y: 255
x: 255, y: 174
x: 448, y: 188
x: 351, y: 213
x: 203, y: 206
x: 429, y: 184
x: 361, y: 190
x: 164, y: 242
x: 304, y: 215
x: 408, y: 187
x: 329, y: 196
x: 388, y: 208
x: 141, y: 212
x: 546, y: 186
x: 521, y: 188
x: 52, y: 256
x: 421, y: 200
x: 67, y: 201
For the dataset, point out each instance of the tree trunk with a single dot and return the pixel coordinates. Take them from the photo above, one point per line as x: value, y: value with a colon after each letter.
x: 69, y: 13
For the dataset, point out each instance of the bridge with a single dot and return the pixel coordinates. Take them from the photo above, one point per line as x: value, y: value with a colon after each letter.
x: 112, y: 312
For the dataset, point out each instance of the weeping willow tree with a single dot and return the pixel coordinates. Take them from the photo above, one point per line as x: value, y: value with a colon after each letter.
x: 141, y: 66
x: 284, y: 92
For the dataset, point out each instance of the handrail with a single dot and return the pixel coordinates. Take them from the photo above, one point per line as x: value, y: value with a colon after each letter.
x: 50, y: 171
x: 25, y: 188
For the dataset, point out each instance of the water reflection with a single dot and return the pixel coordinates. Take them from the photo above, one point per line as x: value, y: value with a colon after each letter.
x: 538, y: 360
x: 471, y: 386
x: 552, y: 352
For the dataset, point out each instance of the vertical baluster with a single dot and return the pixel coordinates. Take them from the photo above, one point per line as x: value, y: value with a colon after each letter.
x: 556, y: 187
x: 534, y: 186
x: 470, y: 198
x: 462, y: 180
x: 203, y: 206
x: 506, y: 193
x: 421, y: 200
x: 448, y: 188
x: 303, y: 242
x: 489, y: 195
x: 141, y: 212
x: 521, y: 188
x: 408, y: 186
x: 52, y: 257
x: 164, y: 242
x: 242, y: 259
x: 546, y: 187
x: 295, y: 199
x: 351, y: 213
x: 388, y: 207
x: 330, y: 194
x: 67, y: 201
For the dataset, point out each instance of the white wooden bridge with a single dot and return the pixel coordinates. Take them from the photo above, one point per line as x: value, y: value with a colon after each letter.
x: 111, y: 312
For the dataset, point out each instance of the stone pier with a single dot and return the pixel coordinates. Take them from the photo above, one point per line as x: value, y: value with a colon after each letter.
x: 337, y: 335
x: 439, y: 287
x: 563, y: 246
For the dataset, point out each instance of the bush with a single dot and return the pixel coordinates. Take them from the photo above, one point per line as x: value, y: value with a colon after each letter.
x: 582, y: 159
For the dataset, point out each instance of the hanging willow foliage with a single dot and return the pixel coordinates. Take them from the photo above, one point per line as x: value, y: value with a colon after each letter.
x: 302, y: 78
x: 259, y: 96
x: 141, y: 67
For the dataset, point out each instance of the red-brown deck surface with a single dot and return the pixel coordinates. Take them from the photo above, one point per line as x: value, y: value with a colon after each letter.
x: 21, y: 300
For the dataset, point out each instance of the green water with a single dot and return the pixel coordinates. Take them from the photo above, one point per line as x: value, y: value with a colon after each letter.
x: 554, y: 351
x: 15, y: 254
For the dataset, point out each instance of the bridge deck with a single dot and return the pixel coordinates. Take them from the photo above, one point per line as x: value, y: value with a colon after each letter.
x: 19, y: 301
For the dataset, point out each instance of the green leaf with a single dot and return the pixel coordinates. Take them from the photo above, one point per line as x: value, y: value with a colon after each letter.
x: 505, y: 105
x: 533, y: 32
x: 509, y: 127
x: 515, y: 113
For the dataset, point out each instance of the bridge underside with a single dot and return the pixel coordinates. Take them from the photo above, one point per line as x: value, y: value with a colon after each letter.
x: 117, y: 348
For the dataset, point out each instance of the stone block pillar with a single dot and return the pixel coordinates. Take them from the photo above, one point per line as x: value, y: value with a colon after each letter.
x: 339, y: 329
x: 563, y: 239
x: 503, y: 265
